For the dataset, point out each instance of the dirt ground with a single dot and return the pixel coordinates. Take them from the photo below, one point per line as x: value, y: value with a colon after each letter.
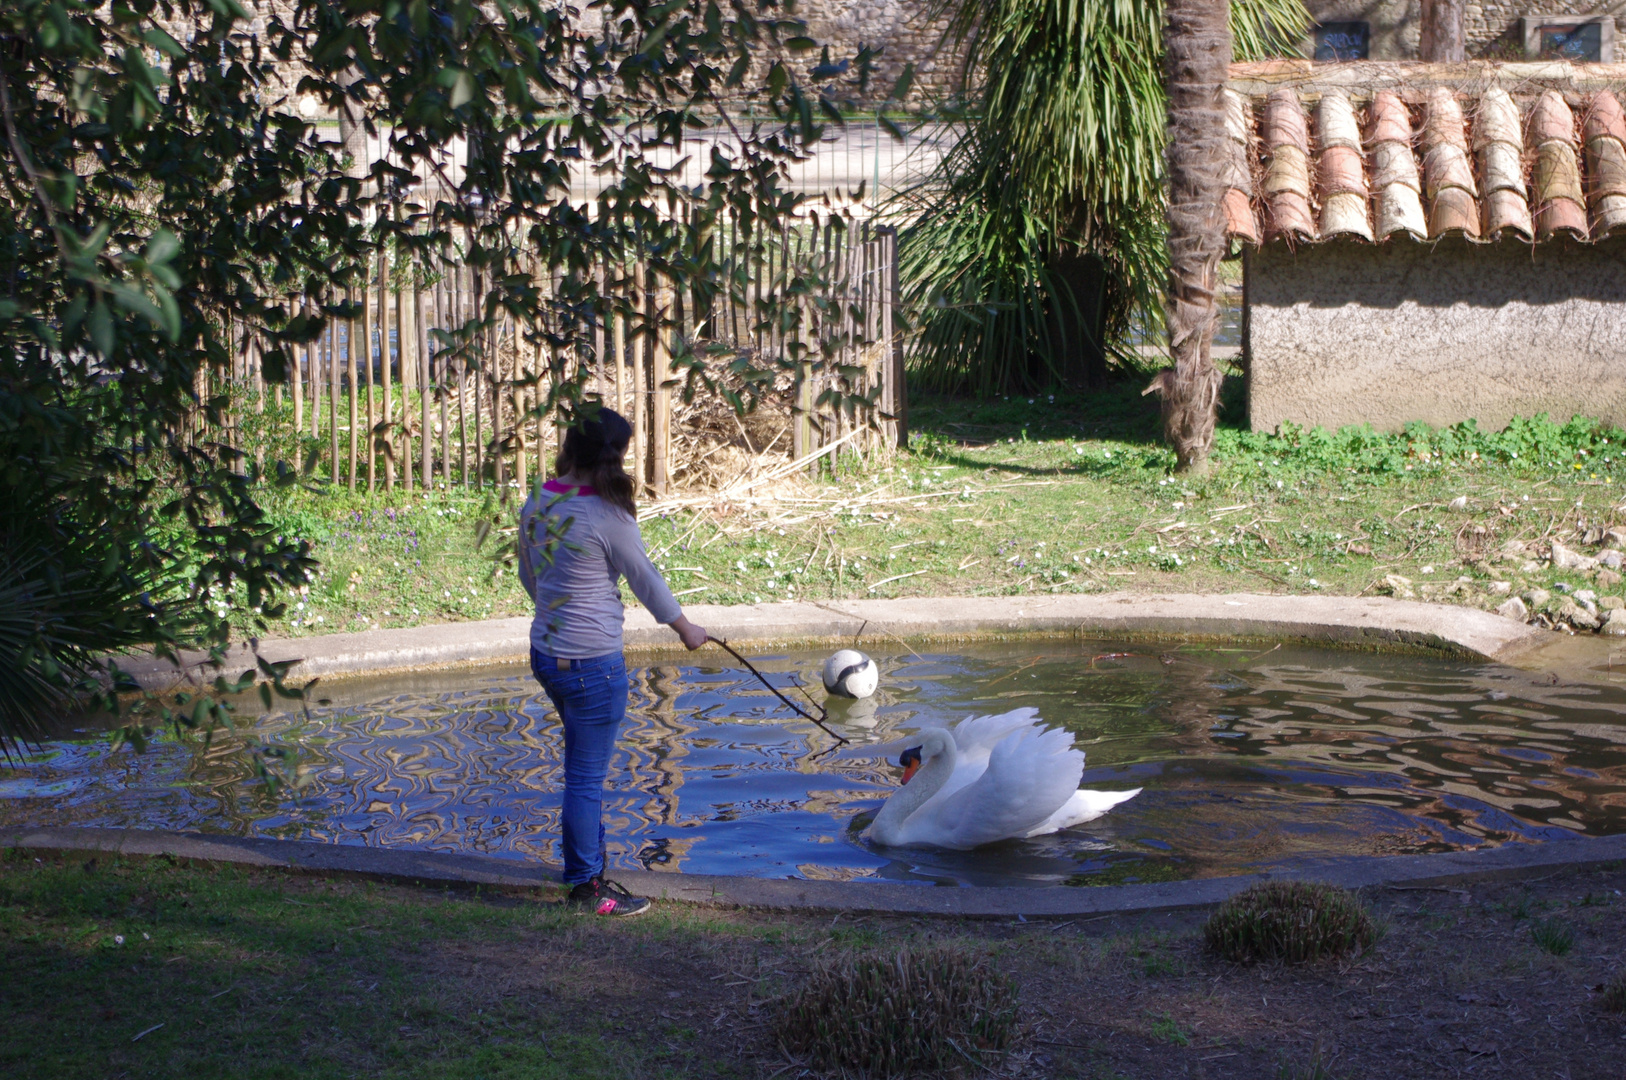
x: 1456, y: 986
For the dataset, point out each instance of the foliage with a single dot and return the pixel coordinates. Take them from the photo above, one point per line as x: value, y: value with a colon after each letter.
x: 1614, y: 993
x: 1314, y: 1069
x: 1527, y: 441
x: 887, y: 1015
x: 1553, y: 935
x: 1292, y: 921
x: 143, y: 215
x: 166, y: 205
x: 1061, y: 157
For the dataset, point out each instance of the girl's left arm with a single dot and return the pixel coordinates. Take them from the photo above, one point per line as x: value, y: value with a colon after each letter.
x: 527, y: 571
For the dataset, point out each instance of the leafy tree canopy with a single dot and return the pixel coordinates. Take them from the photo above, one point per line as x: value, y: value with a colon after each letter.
x: 164, y: 200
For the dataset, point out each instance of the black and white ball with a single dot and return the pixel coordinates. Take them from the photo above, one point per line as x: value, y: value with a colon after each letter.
x: 851, y: 674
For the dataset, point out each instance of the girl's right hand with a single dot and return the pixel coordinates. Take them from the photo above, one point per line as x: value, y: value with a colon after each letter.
x: 693, y: 636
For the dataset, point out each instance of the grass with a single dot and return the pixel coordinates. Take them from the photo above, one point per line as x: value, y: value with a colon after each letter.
x: 1553, y: 936
x: 147, y: 969
x: 1614, y: 993
x: 1294, y: 922
x: 1056, y: 493
x: 891, y: 1014
x: 263, y: 974
x: 1168, y: 1030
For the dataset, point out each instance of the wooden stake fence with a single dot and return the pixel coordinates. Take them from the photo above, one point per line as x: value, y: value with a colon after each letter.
x: 380, y: 399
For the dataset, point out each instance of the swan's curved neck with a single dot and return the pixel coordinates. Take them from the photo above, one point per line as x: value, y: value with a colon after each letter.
x: 940, y: 758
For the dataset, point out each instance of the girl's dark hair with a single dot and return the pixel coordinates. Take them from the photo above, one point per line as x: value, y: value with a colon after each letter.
x: 593, y: 449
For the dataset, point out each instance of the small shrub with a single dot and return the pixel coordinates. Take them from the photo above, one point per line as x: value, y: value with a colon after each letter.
x: 1291, y: 921
x: 1614, y: 993
x: 916, y: 1010
x: 1168, y: 1030
x: 1553, y: 936
x: 1314, y: 1069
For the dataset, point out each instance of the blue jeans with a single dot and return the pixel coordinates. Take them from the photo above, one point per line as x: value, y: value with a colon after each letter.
x: 592, y: 701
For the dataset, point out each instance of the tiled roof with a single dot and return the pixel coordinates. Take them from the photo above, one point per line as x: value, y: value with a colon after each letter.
x: 1439, y: 162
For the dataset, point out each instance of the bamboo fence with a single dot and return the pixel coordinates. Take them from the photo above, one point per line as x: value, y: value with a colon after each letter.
x: 383, y: 399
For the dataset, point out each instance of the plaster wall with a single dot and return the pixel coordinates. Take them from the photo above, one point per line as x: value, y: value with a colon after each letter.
x: 1349, y: 333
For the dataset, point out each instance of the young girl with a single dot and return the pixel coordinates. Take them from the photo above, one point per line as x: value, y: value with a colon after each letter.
x: 578, y: 536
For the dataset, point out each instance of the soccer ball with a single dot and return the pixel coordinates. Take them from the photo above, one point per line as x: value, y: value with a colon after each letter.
x: 851, y: 674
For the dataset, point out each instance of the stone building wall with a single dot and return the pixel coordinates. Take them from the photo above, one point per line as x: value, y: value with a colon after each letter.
x: 1490, y: 26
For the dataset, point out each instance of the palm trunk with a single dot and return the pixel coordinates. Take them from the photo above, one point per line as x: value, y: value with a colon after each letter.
x: 1197, y: 42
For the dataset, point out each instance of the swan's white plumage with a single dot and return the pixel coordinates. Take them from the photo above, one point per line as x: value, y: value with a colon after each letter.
x: 991, y: 778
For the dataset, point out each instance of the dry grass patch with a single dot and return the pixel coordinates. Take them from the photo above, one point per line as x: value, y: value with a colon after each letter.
x: 919, y: 1010
x: 1292, y: 921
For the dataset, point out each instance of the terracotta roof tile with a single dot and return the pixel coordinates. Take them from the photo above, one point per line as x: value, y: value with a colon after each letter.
x: 1315, y: 164
x: 1556, y: 176
x: 1240, y: 221
x: 1286, y: 182
x: 1605, y: 131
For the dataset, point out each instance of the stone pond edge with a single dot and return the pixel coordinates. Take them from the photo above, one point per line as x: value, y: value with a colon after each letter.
x: 1378, y: 623
x: 1509, y: 862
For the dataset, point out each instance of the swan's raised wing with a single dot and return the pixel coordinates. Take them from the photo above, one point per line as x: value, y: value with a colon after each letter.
x: 979, y: 733
x: 1030, y: 775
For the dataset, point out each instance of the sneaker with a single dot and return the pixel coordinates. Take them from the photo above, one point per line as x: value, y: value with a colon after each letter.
x: 606, y: 898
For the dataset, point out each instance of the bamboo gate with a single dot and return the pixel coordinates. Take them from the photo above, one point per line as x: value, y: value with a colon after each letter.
x: 380, y: 401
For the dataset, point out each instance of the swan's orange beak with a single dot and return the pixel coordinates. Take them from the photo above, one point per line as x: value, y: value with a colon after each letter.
x: 910, y: 760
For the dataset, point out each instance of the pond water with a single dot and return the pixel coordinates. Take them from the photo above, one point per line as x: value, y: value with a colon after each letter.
x: 1250, y: 758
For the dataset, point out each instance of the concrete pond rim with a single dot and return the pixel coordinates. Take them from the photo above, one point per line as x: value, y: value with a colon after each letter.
x: 1507, y: 862
x: 1362, y: 623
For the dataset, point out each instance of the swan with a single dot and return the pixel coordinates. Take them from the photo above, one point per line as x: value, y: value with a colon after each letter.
x: 989, y: 778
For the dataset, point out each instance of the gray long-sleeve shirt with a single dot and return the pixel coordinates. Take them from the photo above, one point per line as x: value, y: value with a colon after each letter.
x: 578, y: 600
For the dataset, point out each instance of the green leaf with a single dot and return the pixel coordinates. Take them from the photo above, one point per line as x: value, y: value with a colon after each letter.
x: 462, y: 89
x: 62, y: 188
x: 900, y: 89
x: 101, y: 328
x: 161, y: 247
x: 160, y: 40
x: 230, y: 9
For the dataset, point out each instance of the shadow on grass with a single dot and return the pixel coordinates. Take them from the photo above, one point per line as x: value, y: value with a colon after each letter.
x: 946, y: 426
x: 142, y: 968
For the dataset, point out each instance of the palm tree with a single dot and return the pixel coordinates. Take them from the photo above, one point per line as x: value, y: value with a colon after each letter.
x: 1197, y: 58
x: 1041, y: 234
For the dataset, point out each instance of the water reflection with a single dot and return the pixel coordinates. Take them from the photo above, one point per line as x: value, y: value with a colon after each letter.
x: 1249, y: 759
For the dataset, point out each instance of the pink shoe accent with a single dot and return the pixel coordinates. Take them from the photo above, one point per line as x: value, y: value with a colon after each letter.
x: 606, y: 907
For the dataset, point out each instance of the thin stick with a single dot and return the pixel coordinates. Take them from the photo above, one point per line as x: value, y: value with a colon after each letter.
x: 797, y: 709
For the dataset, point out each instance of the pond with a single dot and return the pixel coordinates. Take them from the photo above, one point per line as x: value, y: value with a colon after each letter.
x: 1250, y: 758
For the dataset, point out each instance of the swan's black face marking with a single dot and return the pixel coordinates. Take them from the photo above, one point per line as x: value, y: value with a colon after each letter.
x: 910, y: 761
x: 839, y: 687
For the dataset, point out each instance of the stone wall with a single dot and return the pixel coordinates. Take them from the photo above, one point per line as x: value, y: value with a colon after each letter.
x: 1344, y: 333
x: 900, y: 27
x: 1490, y: 26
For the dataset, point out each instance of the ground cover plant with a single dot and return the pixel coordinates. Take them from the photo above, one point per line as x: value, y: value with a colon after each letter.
x: 1294, y: 922
x: 148, y: 968
x: 894, y: 1013
x: 1051, y: 493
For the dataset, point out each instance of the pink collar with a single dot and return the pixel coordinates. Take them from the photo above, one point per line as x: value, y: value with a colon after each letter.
x: 558, y: 487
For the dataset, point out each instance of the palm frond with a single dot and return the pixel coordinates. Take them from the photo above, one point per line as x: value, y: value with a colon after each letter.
x: 1060, y: 156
